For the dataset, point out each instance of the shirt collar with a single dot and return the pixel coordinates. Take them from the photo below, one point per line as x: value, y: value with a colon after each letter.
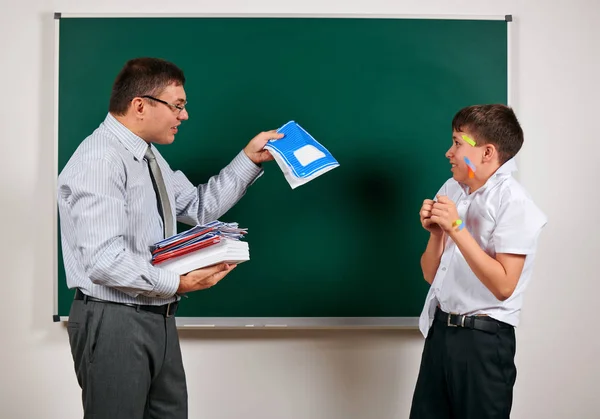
x: 507, y: 168
x: 503, y: 171
x: 130, y: 141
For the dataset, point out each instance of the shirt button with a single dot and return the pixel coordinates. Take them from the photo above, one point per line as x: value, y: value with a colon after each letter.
x: 464, y: 202
x: 444, y: 268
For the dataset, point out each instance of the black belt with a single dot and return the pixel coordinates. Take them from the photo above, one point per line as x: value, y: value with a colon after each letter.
x: 166, y: 310
x: 483, y: 323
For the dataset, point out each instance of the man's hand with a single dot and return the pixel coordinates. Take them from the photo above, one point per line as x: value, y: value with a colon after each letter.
x: 426, y: 222
x: 201, y: 279
x: 444, y: 213
x: 255, y: 150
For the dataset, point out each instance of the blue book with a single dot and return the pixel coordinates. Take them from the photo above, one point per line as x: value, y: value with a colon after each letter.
x: 300, y: 157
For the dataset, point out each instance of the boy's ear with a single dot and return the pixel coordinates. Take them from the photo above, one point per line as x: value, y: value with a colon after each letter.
x: 489, y: 152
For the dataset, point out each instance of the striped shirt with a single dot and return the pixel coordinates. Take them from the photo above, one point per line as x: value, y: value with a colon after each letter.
x: 109, y: 216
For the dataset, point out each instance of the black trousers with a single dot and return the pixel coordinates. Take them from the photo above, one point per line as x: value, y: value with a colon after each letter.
x: 465, y: 373
x: 128, y: 362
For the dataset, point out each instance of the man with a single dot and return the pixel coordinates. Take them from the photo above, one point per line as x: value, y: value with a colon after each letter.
x: 116, y: 197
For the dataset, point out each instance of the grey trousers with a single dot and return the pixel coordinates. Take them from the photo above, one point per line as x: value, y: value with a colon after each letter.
x: 128, y: 362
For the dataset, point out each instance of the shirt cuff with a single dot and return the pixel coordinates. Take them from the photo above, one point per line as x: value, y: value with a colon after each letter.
x: 167, y: 284
x: 245, y: 168
x: 515, y: 250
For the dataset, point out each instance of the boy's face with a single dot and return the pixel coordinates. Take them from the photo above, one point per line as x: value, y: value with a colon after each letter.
x: 457, y: 153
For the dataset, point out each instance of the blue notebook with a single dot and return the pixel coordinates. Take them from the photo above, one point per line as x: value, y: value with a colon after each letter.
x: 300, y: 157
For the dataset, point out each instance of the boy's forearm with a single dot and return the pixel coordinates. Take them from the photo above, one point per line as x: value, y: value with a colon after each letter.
x: 430, y: 261
x: 488, y: 270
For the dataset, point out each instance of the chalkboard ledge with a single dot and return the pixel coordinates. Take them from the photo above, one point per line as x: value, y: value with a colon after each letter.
x: 273, y: 323
x: 296, y: 322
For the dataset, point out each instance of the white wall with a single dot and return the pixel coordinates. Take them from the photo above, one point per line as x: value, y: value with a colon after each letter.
x: 322, y: 374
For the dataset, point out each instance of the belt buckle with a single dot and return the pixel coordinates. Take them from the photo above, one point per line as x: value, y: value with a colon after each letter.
x: 461, y: 317
x: 168, y: 310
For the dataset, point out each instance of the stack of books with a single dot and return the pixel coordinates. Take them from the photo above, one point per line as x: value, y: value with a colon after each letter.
x: 201, y: 246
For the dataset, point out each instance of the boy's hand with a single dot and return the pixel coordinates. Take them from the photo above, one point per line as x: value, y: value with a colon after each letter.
x: 426, y: 222
x: 444, y: 213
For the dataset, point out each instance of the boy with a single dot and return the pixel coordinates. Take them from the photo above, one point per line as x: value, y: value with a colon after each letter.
x: 483, y: 236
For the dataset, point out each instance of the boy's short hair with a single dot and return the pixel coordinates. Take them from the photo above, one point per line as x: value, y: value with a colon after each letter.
x: 142, y: 76
x: 492, y: 124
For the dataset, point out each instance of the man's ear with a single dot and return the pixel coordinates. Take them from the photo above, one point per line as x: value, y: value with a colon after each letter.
x: 138, y: 107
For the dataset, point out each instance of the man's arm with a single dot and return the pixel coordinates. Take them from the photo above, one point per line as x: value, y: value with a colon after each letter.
x: 93, y: 211
x: 208, y: 201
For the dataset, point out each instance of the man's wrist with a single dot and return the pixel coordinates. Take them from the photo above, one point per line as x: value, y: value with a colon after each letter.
x: 166, y: 284
x: 181, y: 289
x: 245, y: 167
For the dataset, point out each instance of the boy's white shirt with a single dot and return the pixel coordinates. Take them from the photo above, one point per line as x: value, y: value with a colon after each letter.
x: 502, y: 218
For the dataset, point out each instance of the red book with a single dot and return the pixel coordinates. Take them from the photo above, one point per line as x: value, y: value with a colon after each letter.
x: 182, y: 240
x: 185, y: 250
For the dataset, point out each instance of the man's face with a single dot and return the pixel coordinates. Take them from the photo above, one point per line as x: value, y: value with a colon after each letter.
x: 163, y: 120
x: 457, y: 153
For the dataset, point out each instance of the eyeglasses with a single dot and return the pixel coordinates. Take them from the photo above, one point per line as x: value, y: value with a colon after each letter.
x: 176, y: 108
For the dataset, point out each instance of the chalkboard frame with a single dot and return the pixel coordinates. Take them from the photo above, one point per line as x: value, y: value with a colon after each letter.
x: 256, y: 322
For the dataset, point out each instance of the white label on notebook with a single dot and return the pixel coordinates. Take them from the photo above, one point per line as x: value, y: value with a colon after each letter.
x: 308, y: 154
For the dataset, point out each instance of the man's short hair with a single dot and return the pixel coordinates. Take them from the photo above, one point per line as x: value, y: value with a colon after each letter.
x: 142, y: 76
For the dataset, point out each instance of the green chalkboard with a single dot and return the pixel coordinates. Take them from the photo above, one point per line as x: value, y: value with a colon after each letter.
x: 380, y: 94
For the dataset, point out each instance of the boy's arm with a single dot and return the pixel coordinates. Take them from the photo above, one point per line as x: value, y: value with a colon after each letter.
x: 430, y: 261
x: 515, y: 236
x: 499, y: 275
